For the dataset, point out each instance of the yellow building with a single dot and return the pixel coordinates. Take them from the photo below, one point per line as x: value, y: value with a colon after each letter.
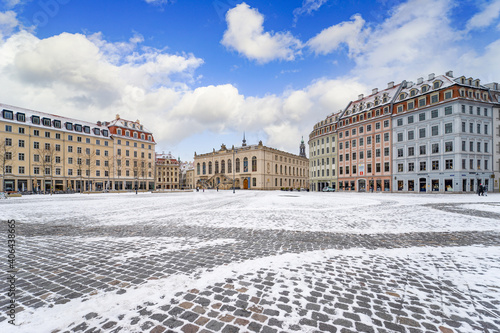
x: 42, y: 152
x: 252, y: 167
x: 167, y: 172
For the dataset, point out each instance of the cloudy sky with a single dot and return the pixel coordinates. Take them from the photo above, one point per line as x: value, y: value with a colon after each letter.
x: 200, y: 73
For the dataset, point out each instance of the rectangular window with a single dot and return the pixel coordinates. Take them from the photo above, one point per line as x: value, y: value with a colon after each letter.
x: 434, y: 130
x: 411, y: 166
x: 386, y: 123
x: 21, y: 143
x: 435, y: 165
x: 8, y: 128
x: 377, y: 138
x: 423, y: 166
x: 377, y: 152
x: 368, y: 128
x: 377, y: 167
x: 448, y: 95
x: 435, y: 148
x: 421, y: 102
x: 434, y: 113
x: 400, y: 122
x: 464, y: 146
x: 463, y: 126
x: 368, y: 140
x: 377, y: 126
x: 448, y: 146
x: 448, y: 110
x: 485, y: 129
x: 448, y: 164
x: 421, y: 116
x: 422, y: 150
x: 368, y: 154
x: 411, y: 105
x: 386, y: 166
x: 411, y: 151
x: 386, y: 137
x: 434, y: 98
x: 486, y: 147
x: 478, y: 128
x: 479, y: 147
x: 471, y: 128
x: 448, y: 128
x: 411, y: 135
x: 421, y: 133
x: 471, y: 146
x: 410, y: 119
x: 400, y: 137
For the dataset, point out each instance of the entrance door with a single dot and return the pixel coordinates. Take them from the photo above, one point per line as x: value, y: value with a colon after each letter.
x: 423, y: 184
x: 245, y: 184
x: 361, y: 185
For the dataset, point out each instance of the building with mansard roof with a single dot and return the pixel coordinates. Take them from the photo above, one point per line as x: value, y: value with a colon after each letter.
x: 439, y: 134
x: 42, y: 152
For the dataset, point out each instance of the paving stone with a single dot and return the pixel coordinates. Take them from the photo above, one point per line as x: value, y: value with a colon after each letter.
x: 323, y: 327
x: 158, y: 329
x: 230, y: 329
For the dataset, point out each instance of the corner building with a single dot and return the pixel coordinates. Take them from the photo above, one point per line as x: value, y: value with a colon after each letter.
x: 41, y: 152
x: 323, y: 154
x: 443, y: 135
x: 254, y: 167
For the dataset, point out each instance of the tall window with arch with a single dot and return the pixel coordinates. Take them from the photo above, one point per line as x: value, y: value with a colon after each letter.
x: 209, y: 168
x: 216, y: 166
x: 254, y: 164
x: 245, y: 164
x: 229, y: 166
x: 198, y: 169
x: 204, y: 168
x: 222, y: 166
x: 237, y: 165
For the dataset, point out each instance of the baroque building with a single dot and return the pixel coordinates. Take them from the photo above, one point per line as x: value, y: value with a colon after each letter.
x: 167, y: 172
x: 250, y: 167
x: 440, y: 134
x: 42, y: 152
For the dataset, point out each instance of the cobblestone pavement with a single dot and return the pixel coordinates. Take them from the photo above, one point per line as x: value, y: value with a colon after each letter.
x: 409, y: 282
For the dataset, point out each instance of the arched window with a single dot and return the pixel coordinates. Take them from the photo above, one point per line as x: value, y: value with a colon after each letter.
x: 209, y: 168
x: 281, y: 169
x: 204, y: 168
x: 237, y: 165
x: 229, y: 166
x: 254, y: 164
x: 216, y: 166
x: 198, y: 169
x: 245, y: 164
x: 222, y: 166
x: 276, y: 169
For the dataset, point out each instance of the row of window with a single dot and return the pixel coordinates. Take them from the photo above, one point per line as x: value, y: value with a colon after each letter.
x: 37, y: 120
x: 448, y: 165
x: 354, y: 169
x: 134, y: 135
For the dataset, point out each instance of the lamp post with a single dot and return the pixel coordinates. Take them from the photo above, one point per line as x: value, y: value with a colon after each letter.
x: 234, y: 169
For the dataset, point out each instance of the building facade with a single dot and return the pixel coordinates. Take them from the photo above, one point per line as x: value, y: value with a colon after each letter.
x: 42, y: 152
x: 439, y: 135
x: 167, y: 172
x: 250, y: 167
x: 323, y: 154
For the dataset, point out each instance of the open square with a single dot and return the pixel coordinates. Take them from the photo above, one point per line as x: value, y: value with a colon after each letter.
x: 255, y: 262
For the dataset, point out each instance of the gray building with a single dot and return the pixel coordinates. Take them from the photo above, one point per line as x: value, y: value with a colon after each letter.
x: 442, y: 136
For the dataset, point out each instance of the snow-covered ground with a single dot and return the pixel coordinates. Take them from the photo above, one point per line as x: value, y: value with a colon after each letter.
x: 334, y: 212
x: 426, y: 278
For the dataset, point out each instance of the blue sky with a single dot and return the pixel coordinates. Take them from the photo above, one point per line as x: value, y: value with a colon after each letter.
x: 200, y: 73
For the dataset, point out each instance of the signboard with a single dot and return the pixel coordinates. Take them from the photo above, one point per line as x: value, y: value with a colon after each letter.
x: 361, y: 169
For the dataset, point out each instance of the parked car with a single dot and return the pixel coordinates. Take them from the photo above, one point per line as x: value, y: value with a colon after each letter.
x: 328, y: 189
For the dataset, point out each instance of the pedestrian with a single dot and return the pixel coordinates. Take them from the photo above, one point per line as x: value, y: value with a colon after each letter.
x: 217, y: 188
x: 480, y: 190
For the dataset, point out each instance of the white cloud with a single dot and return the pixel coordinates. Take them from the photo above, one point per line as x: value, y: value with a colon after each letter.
x: 8, y: 23
x: 245, y: 34
x: 486, y: 17
x: 330, y: 39
x: 308, y: 6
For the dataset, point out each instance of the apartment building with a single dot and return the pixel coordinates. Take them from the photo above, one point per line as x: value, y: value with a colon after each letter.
x: 167, y: 172
x: 43, y: 152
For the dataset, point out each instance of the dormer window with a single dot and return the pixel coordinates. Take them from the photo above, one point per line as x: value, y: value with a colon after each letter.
x: 142, y: 136
x: 135, y: 135
x: 413, y: 92
x: 46, y: 122
x: 150, y: 138
x: 69, y: 126
x: 401, y: 96
x: 57, y: 123
x: 86, y: 129
x: 35, y: 120
x: 7, y: 114
x: 119, y: 131
x: 125, y: 124
x: 105, y: 133
x: 436, y: 84
x: 425, y: 88
x: 97, y: 131
x: 127, y: 133
x: 21, y: 117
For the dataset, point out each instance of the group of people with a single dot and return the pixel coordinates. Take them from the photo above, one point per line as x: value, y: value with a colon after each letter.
x: 482, y: 190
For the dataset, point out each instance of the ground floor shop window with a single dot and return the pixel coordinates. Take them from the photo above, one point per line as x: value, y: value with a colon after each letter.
x: 379, y: 185
x: 435, y: 185
x: 448, y: 185
x: 387, y: 185
x: 411, y: 185
x: 400, y: 185
x: 423, y: 184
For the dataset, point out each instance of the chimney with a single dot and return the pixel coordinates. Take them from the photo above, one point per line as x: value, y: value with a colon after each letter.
x: 449, y: 73
x: 374, y: 91
x: 431, y: 76
x: 409, y: 84
x: 390, y: 84
x: 360, y: 96
x: 98, y: 123
x: 420, y: 80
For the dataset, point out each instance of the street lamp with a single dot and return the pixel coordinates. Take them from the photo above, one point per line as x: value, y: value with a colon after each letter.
x: 234, y: 169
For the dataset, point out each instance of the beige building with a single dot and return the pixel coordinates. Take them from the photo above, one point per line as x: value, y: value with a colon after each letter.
x: 42, y: 152
x: 252, y: 167
x: 167, y: 172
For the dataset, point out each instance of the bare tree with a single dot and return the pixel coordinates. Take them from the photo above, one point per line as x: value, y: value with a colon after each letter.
x: 119, y: 166
x: 7, y: 152
x: 90, y: 164
x: 47, y: 161
x: 109, y: 165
